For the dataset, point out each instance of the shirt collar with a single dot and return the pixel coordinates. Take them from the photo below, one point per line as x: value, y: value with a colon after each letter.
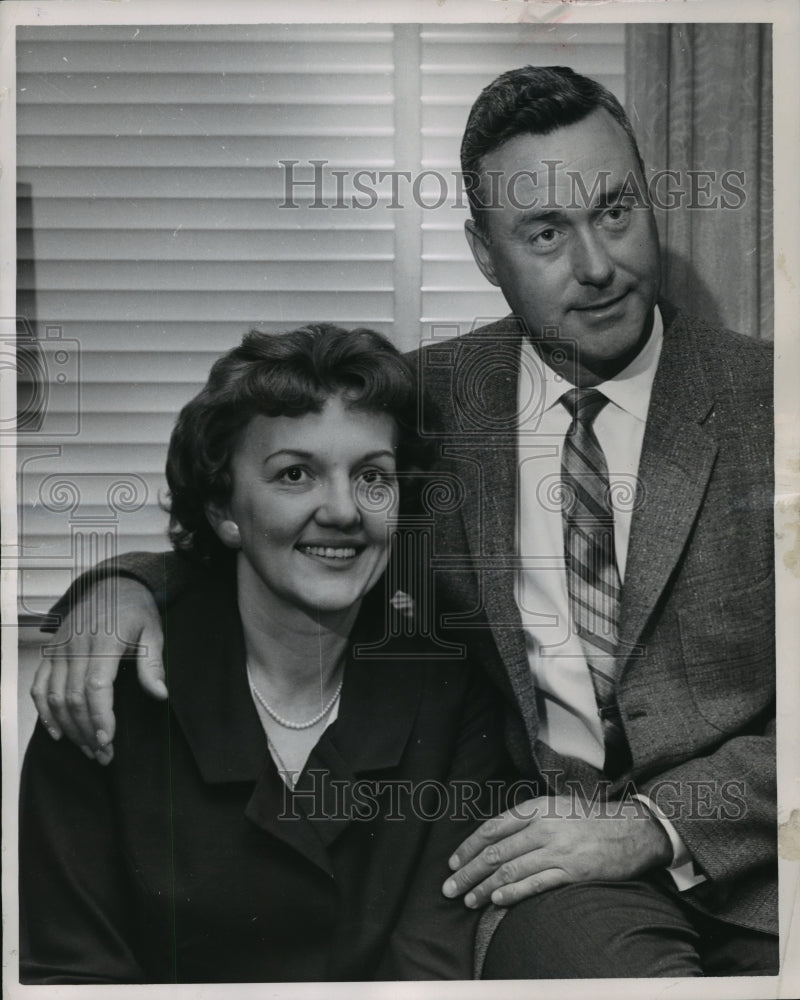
x: 630, y: 389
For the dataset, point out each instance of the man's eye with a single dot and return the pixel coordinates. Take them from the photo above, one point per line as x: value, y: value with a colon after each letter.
x: 618, y: 214
x: 547, y: 239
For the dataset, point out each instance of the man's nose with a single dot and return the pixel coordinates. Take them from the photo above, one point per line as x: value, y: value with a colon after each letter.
x: 592, y: 264
x: 338, y: 505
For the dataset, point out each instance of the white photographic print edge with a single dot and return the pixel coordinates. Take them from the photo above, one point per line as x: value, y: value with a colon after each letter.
x: 404, y: 299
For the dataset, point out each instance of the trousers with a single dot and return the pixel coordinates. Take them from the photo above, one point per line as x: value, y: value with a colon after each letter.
x: 598, y: 930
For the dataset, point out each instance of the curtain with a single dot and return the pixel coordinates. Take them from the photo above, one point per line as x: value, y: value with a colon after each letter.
x: 700, y: 100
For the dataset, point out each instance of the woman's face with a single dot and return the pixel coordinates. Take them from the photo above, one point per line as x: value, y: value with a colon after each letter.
x: 313, y: 499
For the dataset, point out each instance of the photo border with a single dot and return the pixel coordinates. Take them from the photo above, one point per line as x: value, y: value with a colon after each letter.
x: 785, y: 17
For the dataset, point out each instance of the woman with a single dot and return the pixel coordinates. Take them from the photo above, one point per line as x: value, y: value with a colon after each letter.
x: 288, y: 815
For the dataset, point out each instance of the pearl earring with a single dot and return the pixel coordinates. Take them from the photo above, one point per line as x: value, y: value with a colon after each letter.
x: 229, y: 533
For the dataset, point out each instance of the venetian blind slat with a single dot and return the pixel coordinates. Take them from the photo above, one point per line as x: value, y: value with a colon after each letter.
x: 456, y: 66
x: 187, y: 244
x: 154, y: 227
x: 154, y: 230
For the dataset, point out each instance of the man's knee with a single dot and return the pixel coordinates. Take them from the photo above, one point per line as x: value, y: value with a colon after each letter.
x: 594, y: 930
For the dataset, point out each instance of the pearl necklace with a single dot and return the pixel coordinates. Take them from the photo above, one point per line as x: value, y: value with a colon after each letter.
x: 287, y: 723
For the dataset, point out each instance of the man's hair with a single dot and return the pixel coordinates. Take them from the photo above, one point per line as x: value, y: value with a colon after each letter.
x: 289, y: 374
x: 533, y: 100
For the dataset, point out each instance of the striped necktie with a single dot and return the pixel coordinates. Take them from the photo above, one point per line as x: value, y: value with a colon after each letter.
x: 592, y: 576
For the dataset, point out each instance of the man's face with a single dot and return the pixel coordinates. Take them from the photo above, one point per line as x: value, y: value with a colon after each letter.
x: 572, y: 245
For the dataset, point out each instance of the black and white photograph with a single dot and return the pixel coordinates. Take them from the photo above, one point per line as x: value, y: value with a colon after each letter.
x: 400, y: 478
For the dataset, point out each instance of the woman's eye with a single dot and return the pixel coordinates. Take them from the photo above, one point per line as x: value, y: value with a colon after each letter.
x: 294, y: 474
x: 376, y: 489
x: 370, y: 476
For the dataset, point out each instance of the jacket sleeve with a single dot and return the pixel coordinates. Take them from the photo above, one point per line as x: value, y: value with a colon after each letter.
x: 165, y: 574
x: 434, y: 936
x: 713, y: 774
x: 723, y: 805
x: 75, y: 900
x: 717, y: 785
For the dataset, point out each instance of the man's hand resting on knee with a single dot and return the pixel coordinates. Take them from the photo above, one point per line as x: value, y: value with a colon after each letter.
x: 551, y: 841
x: 74, y: 685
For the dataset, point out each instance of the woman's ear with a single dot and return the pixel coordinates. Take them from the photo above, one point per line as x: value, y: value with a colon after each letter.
x: 226, y: 530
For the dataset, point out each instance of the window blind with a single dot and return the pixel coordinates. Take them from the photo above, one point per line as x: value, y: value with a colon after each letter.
x: 457, y: 63
x: 154, y: 228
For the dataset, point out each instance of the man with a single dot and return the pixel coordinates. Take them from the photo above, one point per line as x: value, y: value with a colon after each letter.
x: 615, y: 459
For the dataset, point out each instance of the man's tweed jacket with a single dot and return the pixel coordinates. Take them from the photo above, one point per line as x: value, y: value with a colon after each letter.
x: 697, y: 675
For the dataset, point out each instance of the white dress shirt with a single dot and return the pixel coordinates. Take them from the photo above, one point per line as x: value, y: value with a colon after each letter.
x: 568, y: 717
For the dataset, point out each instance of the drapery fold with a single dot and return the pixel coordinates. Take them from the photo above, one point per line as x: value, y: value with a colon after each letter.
x: 700, y: 100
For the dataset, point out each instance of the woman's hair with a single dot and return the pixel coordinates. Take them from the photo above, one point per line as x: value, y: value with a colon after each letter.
x: 289, y: 374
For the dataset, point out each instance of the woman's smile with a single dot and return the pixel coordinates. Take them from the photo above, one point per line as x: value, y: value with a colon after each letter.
x: 337, y: 553
x: 314, y: 498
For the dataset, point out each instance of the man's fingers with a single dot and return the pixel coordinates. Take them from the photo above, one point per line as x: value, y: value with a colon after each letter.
x: 100, y: 697
x: 501, y: 862
x: 39, y: 688
x: 83, y: 668
x: 149, y: 661
x: 56, y: 696
x: 521, y: 869
x: 532, y: 885
x: 493, y: 830
x: 76, y: 704
x: 73, y: 691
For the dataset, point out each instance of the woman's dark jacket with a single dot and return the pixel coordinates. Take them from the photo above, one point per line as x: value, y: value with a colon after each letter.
x: 188, y: 860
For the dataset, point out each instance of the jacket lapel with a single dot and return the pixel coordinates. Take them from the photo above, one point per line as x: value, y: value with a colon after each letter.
x: 210, y: 696
x: 379, y: 705
x: 490, y: 511
x: 207, y: 682
x: 376, y: 714
x: 678, y: 455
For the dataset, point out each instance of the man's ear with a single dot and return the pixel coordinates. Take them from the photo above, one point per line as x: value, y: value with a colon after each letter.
x: 479, y: 245
x: 226, y: 530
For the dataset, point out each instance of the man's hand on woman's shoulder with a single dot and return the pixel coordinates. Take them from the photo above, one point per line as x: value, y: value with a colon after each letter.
x: 74, y: 684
